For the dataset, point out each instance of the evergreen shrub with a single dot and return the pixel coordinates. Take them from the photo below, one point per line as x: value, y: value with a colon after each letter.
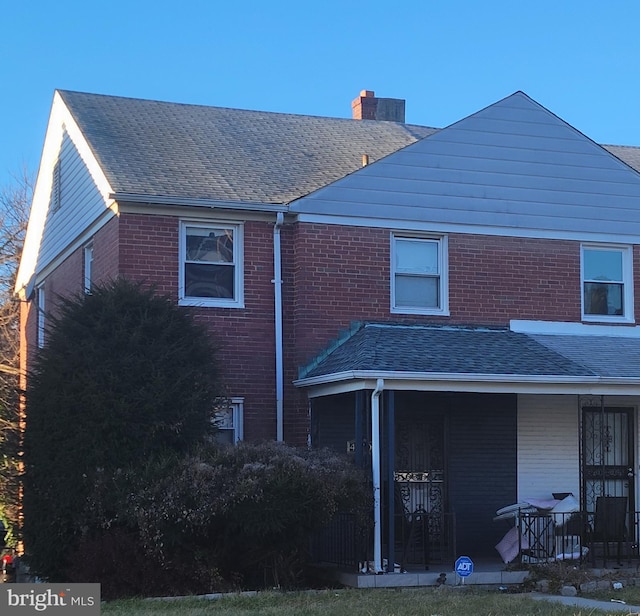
x: 125, y: 374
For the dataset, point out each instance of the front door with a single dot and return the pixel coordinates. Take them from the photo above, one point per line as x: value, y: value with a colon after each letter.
x: 420, y: 462
x: 607, y: 455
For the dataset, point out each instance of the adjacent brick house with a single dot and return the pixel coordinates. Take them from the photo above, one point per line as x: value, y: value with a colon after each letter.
x: 474, y: 289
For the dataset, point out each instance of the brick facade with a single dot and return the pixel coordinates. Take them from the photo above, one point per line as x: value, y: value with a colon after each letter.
x: 333, y: 275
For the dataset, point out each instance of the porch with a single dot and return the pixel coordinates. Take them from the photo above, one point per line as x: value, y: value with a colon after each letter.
x: 595, y: 543
x: 462, y: 421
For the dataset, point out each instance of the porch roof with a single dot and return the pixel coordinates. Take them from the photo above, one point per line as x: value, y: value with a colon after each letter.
x: 460, y: 358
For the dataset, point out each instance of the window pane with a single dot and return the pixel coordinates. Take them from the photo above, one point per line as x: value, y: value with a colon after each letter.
x: 208, y: 280
x: 417, y: 291
x: 603, y: 265
x: 416, y: 257
x: 224, y: 419
x: 224, y: 437
x: 209, y: 245
x: 601, y: 298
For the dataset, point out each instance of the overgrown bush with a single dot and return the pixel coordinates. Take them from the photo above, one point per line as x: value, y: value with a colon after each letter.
x: 125, y: 374
x: 246, y: 513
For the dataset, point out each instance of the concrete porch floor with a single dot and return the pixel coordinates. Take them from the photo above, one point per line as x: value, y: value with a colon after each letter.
x: 485, y: 573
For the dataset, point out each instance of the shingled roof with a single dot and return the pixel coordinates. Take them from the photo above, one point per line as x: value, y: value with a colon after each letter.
x: 476, y: 351
x: 446, y: 350
x: 162, y: 149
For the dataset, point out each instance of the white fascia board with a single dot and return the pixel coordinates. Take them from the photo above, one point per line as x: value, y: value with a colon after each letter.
x: 478, y: 383
x: 573, y: 329
x: 203, y: 203
x: 435, y: 227
x: 60, y: 119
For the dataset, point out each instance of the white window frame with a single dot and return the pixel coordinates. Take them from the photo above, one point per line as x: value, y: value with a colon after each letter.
x: 236, y: 408
x: 238, y: 265
x: 627, y: 284
x: 443, y: 274
x: 40, y: 311
x: 88, y: 268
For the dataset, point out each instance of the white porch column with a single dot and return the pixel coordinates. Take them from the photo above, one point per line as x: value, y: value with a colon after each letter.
x: 375, y: 469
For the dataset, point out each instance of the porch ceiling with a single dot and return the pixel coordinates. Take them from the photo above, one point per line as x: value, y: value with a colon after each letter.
x: 475, y: 359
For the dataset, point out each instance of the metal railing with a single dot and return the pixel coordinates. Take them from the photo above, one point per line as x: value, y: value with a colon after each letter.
x: 345, y: 542
x: 591, y: 539
x: 421, y: 539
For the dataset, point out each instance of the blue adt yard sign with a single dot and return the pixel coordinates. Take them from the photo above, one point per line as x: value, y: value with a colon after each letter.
x: 464, y: 566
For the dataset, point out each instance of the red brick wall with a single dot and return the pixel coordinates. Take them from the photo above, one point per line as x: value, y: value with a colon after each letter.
x: 105, y: 252
x: 333, y: 275
x: 145, y: 248
x: 245, y: 337
x: 342, y: 274
x: 495, y: 279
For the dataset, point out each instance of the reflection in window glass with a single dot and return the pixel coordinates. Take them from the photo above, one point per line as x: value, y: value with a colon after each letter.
x: 606, y: 281
x: 416, y: 257
x: 600, y: 298
x: 417, y: 275
x: 209, y: 268
x: 603, y: 265
x: 417, y: 292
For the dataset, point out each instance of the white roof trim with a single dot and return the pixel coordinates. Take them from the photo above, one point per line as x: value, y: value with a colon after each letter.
x: 60, y: 119
x: 189, y: 202
x: 435, y: 227
x: 573, y: 329
x: 354, y: 380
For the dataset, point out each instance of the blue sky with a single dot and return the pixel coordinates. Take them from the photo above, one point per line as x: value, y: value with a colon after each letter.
x: 447, y: 58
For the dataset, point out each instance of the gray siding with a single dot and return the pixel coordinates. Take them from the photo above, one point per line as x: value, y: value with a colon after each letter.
x: 81, y: 204
x: 513, y: 166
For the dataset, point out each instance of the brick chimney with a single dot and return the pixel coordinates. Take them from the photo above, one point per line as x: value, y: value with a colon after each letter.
x: 368, y: 107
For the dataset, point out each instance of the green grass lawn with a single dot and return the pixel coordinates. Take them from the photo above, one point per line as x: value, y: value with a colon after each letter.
x: 349, y: 602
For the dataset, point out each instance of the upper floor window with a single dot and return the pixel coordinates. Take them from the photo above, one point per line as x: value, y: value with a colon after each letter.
x: 211, y: 265
x: 88, y: 267
x: 419, y: 275
x: 229, y: 421
x: 607, y: 283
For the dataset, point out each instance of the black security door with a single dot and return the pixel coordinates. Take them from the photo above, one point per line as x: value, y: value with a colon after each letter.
x: 420, y: 470
x: 607, y: 455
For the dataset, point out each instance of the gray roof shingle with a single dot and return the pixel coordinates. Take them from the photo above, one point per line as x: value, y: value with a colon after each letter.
x: 197, y: 152
x: 609, y: 356
x: 626, y: 153
x: 450, y: 350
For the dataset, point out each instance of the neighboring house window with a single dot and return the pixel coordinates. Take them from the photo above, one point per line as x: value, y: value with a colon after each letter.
x: 211, y: 271
x: 40, y: 299
x: 56, y: 187
x: 88, y: 267
x: 229, y: 421
x: 607, y: 289
x: 419, y: 275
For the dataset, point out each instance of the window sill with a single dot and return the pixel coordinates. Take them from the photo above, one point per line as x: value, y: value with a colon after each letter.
x: 605, y: 320
x: 207, y: 302
x: 421, y: 311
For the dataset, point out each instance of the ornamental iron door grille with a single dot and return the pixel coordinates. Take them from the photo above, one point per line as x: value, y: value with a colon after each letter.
x: 420, y: 477
x: 607, y: 455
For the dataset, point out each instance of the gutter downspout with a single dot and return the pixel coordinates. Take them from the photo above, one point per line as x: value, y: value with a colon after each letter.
x: 277, y: 281
x: 375, y: 468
